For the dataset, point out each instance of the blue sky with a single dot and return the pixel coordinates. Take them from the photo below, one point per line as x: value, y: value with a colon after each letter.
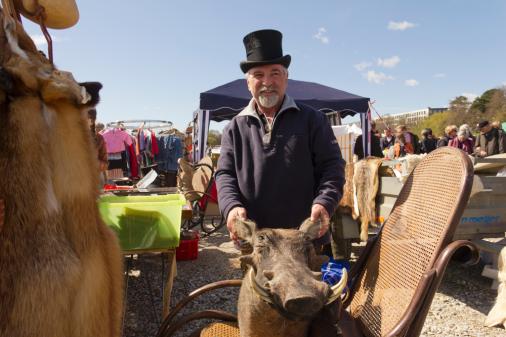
x: 154, y: 57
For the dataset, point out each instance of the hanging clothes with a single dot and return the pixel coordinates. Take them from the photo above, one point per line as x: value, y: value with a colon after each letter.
x: 170, y: 149
x: 134, y: 166
x: 115, y: 140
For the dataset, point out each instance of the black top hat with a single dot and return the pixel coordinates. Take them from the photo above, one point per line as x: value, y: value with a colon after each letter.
x: 264, y: 47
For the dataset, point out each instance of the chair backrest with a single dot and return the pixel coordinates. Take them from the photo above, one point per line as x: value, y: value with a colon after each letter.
x: 203, y: 174
x: 421, y: 224
x: 195, y: 180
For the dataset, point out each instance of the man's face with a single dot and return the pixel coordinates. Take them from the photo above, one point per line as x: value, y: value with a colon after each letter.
x: 268, y: 84
x: 388, y: 132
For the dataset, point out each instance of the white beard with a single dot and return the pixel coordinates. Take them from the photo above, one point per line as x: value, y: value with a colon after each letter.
x: 268, y: 101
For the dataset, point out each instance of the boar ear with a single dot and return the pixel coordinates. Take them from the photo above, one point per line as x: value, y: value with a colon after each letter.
x: 310, y: 228
x: 245, y: 229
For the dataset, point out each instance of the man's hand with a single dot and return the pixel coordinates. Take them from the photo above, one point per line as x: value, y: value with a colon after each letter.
x: 318, y: 212
x: 235, y: 213
x: 2, y: 213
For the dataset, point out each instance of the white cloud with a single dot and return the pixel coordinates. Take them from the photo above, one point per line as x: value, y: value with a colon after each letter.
x: 40, y: 40
x: 401, y: 25
x: 411, y: 83
x: 439, y: 75
x: 377, y: 77
x: 362, y: 65
x: 470, y: 96
x: 321, y: 35
x: 390, y: 62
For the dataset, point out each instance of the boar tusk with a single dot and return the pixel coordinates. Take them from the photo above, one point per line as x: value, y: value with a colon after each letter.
x: 260, y: 291
x: 337, y: 290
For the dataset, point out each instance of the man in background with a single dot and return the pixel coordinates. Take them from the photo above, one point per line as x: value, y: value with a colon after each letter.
x: 375, y: 144
x: 490, y: 141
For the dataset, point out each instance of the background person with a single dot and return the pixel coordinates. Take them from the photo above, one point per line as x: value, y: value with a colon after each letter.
x: 358, y: 149
x: 450, y: 133
x: 463, y: 142
x: 409, y: 138
x: 279, y: 162
x: 428, y: 143
x: 401, y: 147
x: 99, y: 144
x: 469, y: 134
x: 490, y: 141
x: 387, y: 141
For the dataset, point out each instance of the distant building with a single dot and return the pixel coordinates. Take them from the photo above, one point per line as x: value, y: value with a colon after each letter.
x: 413, y: 117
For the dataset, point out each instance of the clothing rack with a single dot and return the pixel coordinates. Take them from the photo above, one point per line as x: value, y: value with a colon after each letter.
x: 133, y: 124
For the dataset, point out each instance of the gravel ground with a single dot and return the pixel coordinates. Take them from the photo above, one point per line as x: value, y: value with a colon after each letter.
x: 459, y: 307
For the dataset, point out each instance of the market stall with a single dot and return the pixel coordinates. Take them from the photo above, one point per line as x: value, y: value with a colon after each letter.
x: 226, y: 101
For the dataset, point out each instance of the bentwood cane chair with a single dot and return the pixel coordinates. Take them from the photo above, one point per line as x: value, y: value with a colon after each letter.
x: 397, y: 275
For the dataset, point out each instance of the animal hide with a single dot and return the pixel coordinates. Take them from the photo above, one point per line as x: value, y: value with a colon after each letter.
x: 408, y: 164
x: 347, y: 199
x: 365, y: 185
x: 497, y: 316
x: 60, y: 266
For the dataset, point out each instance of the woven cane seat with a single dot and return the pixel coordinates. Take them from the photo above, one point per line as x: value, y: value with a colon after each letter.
x: 220, y: 330
x: 421, y: 224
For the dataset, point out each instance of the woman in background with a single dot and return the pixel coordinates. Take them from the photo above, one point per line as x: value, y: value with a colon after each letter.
x: 428, y: 142
x: 100, y: 146
x: 463, y: 142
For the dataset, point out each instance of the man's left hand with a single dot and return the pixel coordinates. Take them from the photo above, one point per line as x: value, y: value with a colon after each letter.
x: 318, y: 212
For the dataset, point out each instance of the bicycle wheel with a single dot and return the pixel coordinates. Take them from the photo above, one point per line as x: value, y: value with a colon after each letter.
x: 211, y: 224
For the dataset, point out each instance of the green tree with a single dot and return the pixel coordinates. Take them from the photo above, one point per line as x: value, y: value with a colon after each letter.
x: 496, y: 107
x: 214, y: 138
x: 480, y: 103
x: 436, y: 122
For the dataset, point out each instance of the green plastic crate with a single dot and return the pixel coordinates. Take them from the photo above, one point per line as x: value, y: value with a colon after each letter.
x: 144, y: 222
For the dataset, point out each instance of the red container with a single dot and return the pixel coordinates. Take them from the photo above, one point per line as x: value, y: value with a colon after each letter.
x: 188, y: 246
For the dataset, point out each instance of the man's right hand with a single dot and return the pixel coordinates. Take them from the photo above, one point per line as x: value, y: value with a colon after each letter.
x: 235, y: 213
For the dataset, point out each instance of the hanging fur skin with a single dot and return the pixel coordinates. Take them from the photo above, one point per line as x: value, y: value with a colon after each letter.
x: 365, y: 184
x: 60, y: 266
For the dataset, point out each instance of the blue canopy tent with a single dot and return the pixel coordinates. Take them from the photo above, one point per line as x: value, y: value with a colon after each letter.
x: 226, y: 101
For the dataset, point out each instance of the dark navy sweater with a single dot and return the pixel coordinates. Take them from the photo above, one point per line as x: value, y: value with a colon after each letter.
x: 277, y: 177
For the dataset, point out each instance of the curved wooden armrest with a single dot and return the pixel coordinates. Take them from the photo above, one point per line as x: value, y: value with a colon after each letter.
x: 448, y: 252
x: 206, y: 314
x: 199, y: 192
x: 196, y: 166
x: 194, y: 294
x: 430, y: 282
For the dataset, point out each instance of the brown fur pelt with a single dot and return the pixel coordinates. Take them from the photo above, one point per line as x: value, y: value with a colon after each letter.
x: 365, y: 185
x: 497, y: 316
x: 60, y: 266
x: 347, y: 199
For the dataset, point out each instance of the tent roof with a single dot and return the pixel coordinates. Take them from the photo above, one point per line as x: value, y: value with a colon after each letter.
x: 226, y: 101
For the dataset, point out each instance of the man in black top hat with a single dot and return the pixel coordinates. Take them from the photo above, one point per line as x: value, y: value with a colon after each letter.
x: 490, y: 140
x: 279, y: 160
